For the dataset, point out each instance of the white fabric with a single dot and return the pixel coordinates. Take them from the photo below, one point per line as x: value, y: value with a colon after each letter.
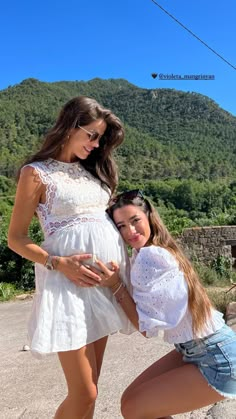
x: 161, y: 295
x: 73, y: 219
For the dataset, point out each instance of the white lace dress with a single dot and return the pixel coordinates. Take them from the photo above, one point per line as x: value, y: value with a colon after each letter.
x: 73, y: 219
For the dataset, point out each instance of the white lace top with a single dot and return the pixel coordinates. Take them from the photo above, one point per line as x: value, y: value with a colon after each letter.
x: 66, y: 316
x: 161, y: 295
x: 63, y: 206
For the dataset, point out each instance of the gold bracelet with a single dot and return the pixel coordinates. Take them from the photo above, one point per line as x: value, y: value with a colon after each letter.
x: 120, y: 298
x: 113, y: 287
x: 118, y: 289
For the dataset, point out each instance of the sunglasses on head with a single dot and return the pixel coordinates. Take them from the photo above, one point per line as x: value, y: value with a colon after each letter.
x: 127, y: 195
x: 93, y: 136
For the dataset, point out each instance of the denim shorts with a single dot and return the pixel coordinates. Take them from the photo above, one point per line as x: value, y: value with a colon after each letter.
x: 215, y: 356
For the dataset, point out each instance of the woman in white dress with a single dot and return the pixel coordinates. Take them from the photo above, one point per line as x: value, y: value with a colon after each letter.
x: 68, y: 183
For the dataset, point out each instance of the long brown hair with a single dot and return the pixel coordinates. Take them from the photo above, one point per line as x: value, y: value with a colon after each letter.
x: 198, y: 301
x: 81, y: 111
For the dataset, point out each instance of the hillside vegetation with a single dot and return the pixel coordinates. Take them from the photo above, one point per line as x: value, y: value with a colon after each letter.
x: 179, y: 148
x: 169, y: 133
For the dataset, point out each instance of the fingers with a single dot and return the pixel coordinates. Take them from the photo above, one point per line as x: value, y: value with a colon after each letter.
x: 101, y: 265
x: 104, y: 268
x: 84, y: 282
x: 87, y: 275
x: 95, y: 270
x: 108, y: 271
x: 83, y: 256
x: 101, y: 270
x: 114, y: 265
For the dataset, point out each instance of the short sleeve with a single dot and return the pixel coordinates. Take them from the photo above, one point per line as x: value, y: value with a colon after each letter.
x: 159, y: 290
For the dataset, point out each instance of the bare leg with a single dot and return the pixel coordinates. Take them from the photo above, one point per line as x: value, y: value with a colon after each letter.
x: 99, y: 347
x: 168, y: 362
x: 81, y: 368
x: 168, y: 387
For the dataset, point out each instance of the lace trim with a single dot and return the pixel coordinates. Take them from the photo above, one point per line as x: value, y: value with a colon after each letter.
x: 46, y: 208
x: 50, y: 173
x: 52, y: 227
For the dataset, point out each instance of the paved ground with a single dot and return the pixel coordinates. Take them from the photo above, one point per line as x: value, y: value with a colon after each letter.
x: 32, y: 389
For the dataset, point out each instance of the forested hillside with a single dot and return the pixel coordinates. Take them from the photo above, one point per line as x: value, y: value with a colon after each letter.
x: 169, y: 133
x: 179, y: 147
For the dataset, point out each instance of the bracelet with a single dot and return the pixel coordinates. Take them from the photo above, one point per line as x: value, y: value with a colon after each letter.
x: 49, y: 262
x: 120, y: 298
x: 45, y: 263
x: 118, y: 289
x: 55, y: 261
x: 113, y: 287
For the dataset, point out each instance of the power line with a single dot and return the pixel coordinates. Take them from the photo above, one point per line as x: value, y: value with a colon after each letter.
x: 193, y: 34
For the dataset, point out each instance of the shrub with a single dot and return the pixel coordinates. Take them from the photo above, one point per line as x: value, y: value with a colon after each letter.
x: 207, y: 275
x: 7, y: 291
x: 222, y: 266
x: 221, y: 298
x: 13, y: 268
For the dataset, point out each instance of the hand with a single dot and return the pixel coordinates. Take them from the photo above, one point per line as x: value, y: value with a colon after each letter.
x: 109, y: 277
x: 74, y: 269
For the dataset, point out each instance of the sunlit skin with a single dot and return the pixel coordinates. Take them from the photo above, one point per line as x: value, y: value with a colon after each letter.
x: 133, y: 225
x: 78, y: 145
x: 81, y: 366
x: 156, y: 392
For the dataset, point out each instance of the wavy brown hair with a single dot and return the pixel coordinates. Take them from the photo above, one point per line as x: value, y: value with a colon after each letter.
x: 82, y: 111
x: 198, y: 301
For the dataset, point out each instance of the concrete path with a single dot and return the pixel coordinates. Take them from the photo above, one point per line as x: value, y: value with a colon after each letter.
x: 32, y: 389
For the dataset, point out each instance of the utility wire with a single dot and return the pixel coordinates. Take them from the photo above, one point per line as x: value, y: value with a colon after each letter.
x: 193, y: 34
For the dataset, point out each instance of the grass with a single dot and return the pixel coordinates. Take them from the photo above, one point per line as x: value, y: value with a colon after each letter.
x: 220, y: 298
x: 210, y: 277
x: 8, y: 291
x: 217, y: 282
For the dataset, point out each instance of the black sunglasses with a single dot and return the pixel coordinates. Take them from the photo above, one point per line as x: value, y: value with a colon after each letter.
x: 93, y: 136
x: 127, y: 195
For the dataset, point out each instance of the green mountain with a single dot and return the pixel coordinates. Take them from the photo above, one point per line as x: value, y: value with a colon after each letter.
x: 169, y: 133
x: 179, y: 148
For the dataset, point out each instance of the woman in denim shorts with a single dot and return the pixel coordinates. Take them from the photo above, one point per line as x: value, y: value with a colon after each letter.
x: 167, y: 295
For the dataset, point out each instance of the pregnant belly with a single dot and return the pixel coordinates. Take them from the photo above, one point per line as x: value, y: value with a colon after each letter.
x: 98, y: 237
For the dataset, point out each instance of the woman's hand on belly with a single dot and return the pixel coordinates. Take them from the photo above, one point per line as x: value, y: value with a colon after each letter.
x: 74, y: 269
x: 109, y: 276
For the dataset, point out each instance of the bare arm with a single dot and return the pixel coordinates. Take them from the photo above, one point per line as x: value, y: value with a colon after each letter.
x: 31, y: 191
x: 127, y: 303
x: 112, y: 280
x: 28, y: 195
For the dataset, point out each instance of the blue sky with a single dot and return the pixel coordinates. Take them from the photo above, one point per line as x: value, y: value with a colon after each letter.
x: 80, y: 40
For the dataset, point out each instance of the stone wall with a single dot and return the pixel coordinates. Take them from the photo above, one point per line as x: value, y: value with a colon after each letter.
x: 206, y: 243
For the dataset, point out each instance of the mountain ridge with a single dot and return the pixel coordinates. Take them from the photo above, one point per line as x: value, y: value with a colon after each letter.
x: 187, y: 133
